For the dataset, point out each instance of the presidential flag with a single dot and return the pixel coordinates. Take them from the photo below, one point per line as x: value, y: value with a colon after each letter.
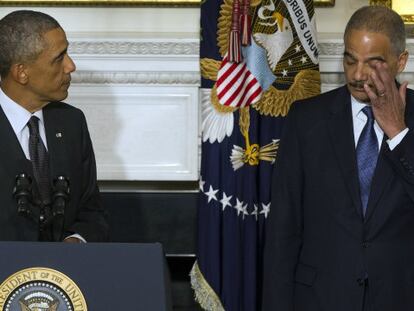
x: 256, y: 58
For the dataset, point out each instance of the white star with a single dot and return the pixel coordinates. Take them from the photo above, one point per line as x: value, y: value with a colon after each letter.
x: 284, y: 72
x: 303, y: 59
x: 211, y: 194
x: 290, y: 62
x: 239, y: 206
x: 265, y: 209
x: 201, y: 184
x: 244, y: 210
x: 255, y: 212
x: 225, y: 201
x: 297, y: 48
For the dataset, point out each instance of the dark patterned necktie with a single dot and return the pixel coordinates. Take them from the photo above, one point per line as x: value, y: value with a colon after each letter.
x: 367, y: 156
x: 40, y: 160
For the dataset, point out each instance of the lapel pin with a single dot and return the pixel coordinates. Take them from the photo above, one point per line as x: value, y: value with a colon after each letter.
x: 59, y: 135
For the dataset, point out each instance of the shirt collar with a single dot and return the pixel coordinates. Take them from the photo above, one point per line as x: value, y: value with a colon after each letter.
x: 356, y: 107
x: 16, y: 114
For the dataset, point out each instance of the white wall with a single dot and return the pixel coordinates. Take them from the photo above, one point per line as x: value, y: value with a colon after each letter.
x: 124, y: 21
x: 333, y: 19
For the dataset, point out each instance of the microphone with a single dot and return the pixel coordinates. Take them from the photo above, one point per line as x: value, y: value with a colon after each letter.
x: 22, y: 192
x: 60, y: 195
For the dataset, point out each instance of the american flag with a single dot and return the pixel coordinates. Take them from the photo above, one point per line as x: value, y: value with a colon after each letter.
x: 236, y: 85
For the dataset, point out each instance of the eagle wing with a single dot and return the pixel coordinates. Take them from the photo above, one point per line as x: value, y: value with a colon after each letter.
x: 23, y: 307
x: 276, y: 102
x: 55, y: 306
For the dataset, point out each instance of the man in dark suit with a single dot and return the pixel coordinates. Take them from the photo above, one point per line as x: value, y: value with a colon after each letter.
x: 341, y: 230
x: 44, y: 141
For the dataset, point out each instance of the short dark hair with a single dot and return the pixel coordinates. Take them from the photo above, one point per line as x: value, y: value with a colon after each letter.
x: 379, y: 19
x: 21, y: 37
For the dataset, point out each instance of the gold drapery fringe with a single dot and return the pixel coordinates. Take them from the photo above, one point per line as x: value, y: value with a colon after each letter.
x: 204, y: 294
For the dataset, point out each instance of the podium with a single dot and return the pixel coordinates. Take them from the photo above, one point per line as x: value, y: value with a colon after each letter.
x: 85, y: 276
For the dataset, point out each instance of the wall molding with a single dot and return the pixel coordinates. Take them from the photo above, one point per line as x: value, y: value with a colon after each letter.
x: 156, y: 46
x: 163, y: 78
x: 141, y: 132
x: 327, y: 48
x: 175, y: 61
x: 134, y: 48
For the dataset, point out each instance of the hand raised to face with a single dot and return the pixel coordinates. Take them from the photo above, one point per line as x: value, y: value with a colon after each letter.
x: 388, y: 101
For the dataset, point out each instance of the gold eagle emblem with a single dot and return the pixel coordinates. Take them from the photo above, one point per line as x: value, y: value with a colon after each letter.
x: 302, y: 82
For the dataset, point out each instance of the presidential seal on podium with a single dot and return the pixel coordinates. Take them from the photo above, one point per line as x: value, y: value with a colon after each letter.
x: 40, y: 289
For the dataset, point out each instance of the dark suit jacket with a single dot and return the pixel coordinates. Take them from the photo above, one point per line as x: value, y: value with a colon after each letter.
x: 319, y: 250
x: 71, y: 155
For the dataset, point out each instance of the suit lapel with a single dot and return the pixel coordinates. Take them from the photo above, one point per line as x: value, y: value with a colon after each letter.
x: 13, y: 156
x: 380, y: 181
x: 340, y: 126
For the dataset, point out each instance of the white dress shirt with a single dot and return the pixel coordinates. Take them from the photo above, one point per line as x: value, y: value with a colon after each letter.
x: 360, y: 119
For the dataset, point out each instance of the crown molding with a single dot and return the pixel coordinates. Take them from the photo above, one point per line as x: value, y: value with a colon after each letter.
x: 134, y: 48
x: 164, y: 78
x: 175, y: 61
x: 179, y: 46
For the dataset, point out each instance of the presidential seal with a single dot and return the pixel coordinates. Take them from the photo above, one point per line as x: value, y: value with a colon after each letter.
x: 40, y: 289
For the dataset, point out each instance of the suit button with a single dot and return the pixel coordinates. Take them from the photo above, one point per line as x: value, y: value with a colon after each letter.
x: 361, y: 282
x: 365, y: 244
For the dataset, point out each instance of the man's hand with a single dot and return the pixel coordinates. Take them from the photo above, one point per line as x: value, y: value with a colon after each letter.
x: 388, y: 102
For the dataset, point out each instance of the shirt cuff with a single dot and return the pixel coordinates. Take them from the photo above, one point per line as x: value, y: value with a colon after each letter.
x: 78, y: 236
x: 392, y: 143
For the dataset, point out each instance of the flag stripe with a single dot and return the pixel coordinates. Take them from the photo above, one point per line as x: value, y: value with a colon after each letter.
x: 236, y: 89
x: 255, y: 94
x: 234, y: 79
x: 230, y: 74
x: 241, y: 92
x: 228, y: 69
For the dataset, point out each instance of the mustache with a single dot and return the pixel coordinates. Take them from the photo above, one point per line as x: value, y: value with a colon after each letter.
x: 360, y: 84
x: 67, y: 81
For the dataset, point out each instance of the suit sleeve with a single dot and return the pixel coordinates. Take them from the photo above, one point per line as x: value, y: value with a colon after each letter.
x: 402, y: 159
x: 284, y: 227
x: 91, y: 218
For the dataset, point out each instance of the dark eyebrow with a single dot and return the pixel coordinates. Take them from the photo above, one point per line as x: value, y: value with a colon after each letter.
x: 378, y: 58
x: 347, y: 54
x: 373, y: 58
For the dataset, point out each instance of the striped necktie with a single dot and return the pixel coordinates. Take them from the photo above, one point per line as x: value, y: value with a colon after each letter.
x: 40, y: 160
x: 367, y: 156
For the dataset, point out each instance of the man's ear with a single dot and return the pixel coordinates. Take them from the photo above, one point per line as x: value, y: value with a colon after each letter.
x: 402, y: 61
x: 18, y: 72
